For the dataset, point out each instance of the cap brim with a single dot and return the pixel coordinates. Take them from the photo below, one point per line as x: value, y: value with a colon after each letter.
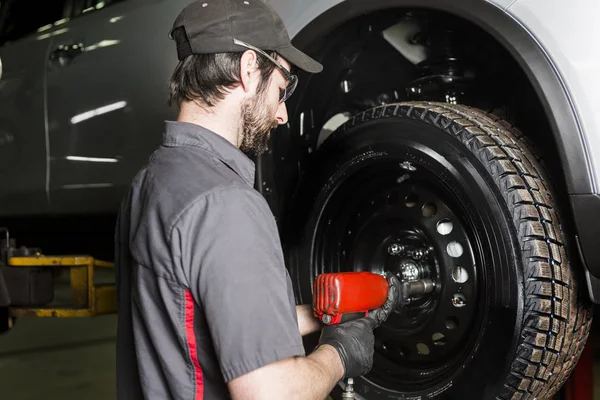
x: 299, y: 59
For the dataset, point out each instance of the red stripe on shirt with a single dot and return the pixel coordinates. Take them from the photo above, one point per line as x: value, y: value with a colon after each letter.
x: 191, y: 342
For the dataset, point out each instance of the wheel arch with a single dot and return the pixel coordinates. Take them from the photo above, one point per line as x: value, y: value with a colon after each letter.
x: 522, y: 46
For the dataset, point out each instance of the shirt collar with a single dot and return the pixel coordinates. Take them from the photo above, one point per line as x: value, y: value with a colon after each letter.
x: 179, y: 133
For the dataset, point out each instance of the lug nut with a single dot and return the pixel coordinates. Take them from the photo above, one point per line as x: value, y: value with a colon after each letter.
x: 395, y: 249
x: 418, y: 254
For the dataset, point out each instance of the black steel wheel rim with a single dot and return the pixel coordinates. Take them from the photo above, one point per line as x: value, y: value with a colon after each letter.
x: 388, y: 204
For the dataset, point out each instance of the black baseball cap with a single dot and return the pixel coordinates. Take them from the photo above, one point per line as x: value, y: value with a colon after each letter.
x: 212, y: 26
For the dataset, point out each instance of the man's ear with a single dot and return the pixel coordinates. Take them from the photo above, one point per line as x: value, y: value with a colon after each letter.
x: 249, y: 73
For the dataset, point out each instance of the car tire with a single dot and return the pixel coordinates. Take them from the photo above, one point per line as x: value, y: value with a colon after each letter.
x: 512, y: 322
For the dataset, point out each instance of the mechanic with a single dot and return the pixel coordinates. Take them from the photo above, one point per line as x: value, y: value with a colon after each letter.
x: 206, y: 306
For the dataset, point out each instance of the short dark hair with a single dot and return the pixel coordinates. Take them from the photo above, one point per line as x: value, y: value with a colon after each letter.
x: 205, y: 77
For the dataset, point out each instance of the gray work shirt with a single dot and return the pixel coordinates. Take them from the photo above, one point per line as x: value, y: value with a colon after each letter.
x: 204, y: 295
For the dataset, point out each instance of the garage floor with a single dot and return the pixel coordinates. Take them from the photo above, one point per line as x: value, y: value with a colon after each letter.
x: 67, y: 359
x: 71, y: 359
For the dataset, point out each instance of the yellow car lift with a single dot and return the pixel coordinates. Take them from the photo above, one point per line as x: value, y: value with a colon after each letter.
x: 34, y: 275
x: 87, y: 299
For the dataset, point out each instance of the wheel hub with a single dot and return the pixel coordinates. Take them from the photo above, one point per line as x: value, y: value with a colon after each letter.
x: 383, y: 224
x: 413, y: 263
x: 409, y: 271
x: 410, y: 262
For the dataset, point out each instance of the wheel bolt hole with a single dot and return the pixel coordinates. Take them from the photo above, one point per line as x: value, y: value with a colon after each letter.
x: 459, y: 300
x: 438, y: 339
x: 423, y: 349
x: 451, y: 323
x: 429, y: 210
x: 444, y: 227
x: 460, y: 275
x: 411, y: 200
x: 454, y: 249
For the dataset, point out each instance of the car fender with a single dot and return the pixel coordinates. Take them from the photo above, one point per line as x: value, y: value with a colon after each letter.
x: 564, y: 33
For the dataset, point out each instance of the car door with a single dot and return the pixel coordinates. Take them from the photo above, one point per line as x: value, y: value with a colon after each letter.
x: 27, y: 28
x: 107, y: 99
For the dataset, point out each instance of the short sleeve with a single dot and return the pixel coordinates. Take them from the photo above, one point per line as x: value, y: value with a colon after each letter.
x: 232, y: 257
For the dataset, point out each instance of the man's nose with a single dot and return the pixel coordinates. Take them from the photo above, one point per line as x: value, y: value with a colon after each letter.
x: 281, y: 115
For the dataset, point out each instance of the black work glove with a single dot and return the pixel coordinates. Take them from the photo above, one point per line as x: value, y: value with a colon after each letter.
x: 380, y: 315
x: 354, y: 342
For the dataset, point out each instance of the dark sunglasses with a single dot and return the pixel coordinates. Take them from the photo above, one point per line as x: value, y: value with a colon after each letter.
x: 292, y: 80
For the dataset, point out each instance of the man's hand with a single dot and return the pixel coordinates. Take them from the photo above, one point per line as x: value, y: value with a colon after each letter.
x: 380, y: 315
x: 354, y: 342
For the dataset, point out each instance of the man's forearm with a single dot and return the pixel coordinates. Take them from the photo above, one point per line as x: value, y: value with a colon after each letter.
x: 324, y: 373
x: 302, y: 378
x: 315, y: 376
x: 307, y: 323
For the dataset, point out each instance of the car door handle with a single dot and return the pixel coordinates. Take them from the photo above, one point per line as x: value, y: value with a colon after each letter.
x: 63, y: 54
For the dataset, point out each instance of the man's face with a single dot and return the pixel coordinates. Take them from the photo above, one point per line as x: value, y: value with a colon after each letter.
x: 262, y: 113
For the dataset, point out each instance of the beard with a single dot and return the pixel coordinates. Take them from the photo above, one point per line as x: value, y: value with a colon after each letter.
x: 257, y: 121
